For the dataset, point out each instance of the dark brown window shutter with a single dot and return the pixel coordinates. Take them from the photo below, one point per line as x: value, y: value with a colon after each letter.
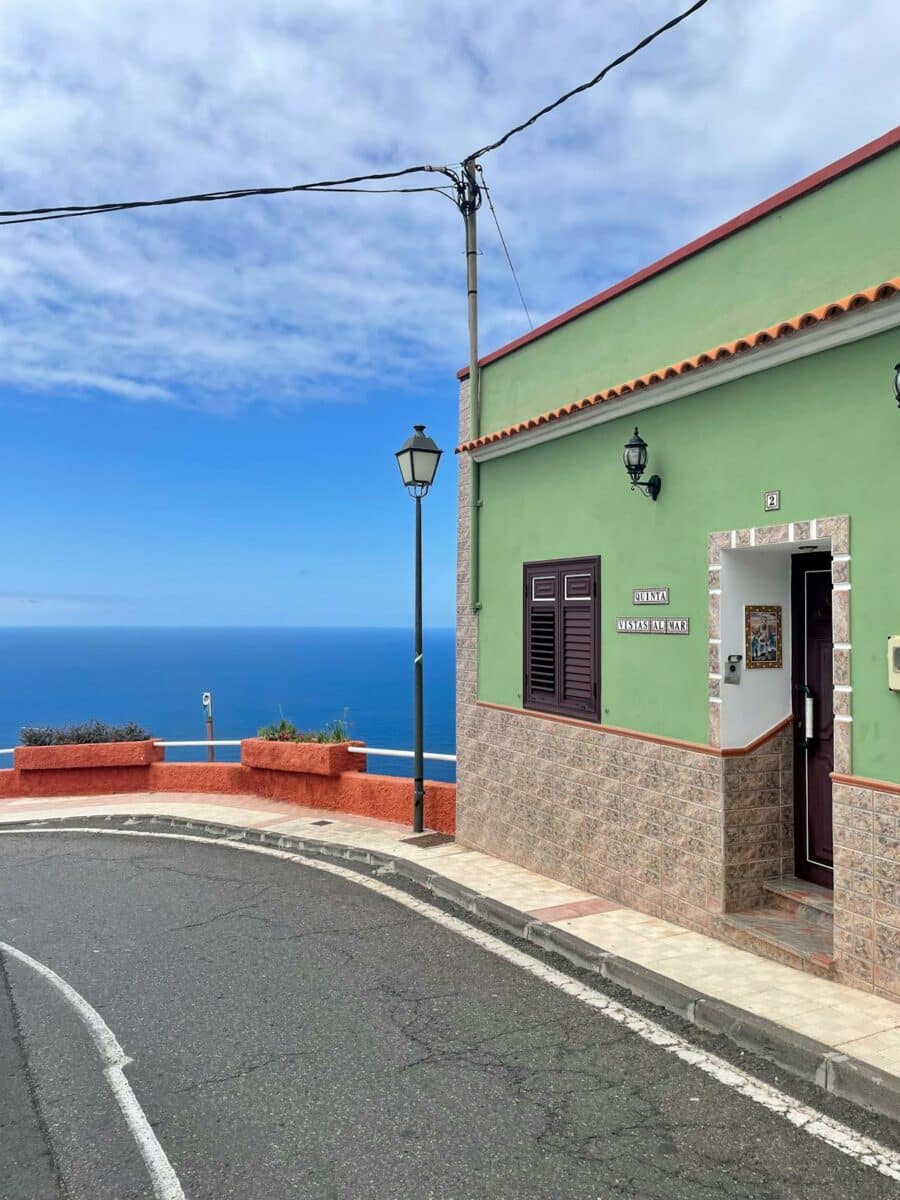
x: 541, y: 641
x: 561, y: 633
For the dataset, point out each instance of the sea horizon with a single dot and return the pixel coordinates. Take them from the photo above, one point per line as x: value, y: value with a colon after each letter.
x: 155, y: 675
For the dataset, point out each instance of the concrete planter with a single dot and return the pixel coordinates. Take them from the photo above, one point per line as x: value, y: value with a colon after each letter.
x: 97, y: 754
x: 306, y: 758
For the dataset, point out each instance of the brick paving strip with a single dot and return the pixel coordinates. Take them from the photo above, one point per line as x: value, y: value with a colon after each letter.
x: 846, y: 1041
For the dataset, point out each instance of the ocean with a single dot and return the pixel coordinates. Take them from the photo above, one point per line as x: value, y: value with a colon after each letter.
x: 156, y: 677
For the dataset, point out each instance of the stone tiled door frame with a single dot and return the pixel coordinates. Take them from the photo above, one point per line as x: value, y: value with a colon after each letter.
x: 833, y: 529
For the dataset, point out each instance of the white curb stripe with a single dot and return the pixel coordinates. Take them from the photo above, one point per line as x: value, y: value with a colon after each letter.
x: 840, y: 1137
x: 162, y: 1175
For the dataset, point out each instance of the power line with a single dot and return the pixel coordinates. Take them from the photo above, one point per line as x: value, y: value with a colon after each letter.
x: 583, y: 87
x: 487, y: 192
x: 28, y: 216
x: 109, y: 208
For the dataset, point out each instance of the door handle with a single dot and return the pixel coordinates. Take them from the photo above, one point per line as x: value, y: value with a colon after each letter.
x: 808, y: 724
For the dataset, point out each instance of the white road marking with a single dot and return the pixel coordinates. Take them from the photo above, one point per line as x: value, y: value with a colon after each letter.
x: 840, y: 1137
x: 162, y: 1175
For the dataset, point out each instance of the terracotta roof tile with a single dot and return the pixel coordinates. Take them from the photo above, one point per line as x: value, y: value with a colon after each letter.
x: 709, y: 358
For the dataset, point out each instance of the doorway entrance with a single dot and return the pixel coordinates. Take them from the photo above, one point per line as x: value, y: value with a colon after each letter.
x: 813, y: 715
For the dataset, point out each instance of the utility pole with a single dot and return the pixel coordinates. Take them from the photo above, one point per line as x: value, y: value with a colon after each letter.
x: 469, y: 203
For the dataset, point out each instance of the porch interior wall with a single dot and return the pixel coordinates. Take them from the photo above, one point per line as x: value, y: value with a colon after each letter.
x: 754, y: 575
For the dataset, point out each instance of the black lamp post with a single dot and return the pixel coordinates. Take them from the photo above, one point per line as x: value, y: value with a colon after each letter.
x: 418, y: 461
x: 635, y: 459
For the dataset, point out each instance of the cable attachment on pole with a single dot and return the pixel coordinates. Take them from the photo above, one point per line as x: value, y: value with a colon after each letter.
x: 465, y: 184
x: 471, y: 200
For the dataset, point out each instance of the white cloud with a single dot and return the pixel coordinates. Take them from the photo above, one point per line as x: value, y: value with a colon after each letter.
x: 294, y: 297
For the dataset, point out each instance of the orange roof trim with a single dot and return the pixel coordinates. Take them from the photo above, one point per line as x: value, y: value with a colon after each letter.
x: 774, y: 333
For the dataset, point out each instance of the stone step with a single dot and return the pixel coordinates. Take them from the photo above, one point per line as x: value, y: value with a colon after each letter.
x: 794, y: 894
x: 802, y: 939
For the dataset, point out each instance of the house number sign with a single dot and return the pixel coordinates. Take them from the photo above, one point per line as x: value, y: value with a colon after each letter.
x: 670, y: 625
x: 650, y: 596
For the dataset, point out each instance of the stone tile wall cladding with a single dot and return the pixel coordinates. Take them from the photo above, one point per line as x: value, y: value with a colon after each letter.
x: 633, y: 820
x: 685, y: 833
x: 674, y: 832
x: 757, y: 820
x: 867, y: 886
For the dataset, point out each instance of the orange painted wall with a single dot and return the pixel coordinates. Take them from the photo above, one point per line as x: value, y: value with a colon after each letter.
x: 228, y: 779
x: 82, y: 781
x: 386, y: 797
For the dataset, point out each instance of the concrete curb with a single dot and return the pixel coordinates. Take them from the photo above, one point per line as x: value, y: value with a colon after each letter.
x: 810, y: 1060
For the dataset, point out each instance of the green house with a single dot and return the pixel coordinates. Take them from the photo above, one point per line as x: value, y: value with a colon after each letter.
x: 678, y: 584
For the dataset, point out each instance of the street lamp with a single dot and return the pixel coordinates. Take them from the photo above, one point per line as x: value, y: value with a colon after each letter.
x: 418, y: 460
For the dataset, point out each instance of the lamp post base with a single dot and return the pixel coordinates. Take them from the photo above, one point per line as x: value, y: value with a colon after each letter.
x: 418, y: 806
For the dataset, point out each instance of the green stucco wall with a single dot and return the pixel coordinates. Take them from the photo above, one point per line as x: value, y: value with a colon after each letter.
x: 835, y: 241
x: 824, y: 429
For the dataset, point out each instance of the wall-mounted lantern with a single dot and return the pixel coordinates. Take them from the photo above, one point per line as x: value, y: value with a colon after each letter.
x: 897, y: 384
x: 635, y: 459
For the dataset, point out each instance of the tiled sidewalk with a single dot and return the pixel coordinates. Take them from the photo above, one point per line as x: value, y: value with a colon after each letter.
x: 848, y: 1022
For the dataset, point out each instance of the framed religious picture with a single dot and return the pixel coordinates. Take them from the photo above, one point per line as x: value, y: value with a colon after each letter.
x: 762, y: 636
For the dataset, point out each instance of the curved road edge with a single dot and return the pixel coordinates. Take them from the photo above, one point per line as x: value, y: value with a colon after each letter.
x: 810, y: 1060
x: 165, y: 1182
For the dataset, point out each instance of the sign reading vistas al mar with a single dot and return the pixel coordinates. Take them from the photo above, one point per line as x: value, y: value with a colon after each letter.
x: 671, y: 625
x: 650, y: 596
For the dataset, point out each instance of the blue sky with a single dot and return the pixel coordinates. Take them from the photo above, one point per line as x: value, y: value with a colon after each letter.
x: 199, y: 408
x: 138, y: 514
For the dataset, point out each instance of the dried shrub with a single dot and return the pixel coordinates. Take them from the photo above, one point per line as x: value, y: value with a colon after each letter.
x: 86, y: 734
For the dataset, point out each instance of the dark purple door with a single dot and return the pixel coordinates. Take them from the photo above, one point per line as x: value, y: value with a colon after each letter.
x: 814, y: 716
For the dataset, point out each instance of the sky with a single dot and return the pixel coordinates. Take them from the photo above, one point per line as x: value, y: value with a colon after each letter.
x: 199, y: 406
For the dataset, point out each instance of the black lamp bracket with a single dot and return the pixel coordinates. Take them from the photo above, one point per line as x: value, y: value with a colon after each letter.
x: 652, y: 487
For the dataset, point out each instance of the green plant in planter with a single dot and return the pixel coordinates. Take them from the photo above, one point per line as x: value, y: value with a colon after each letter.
x: 284, y: 731
x: 338, y: 731
x: 287, y: 731
x: 87, y: 734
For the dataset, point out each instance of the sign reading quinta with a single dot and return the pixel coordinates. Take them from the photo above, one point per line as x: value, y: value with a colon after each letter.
x: 650, y: 596
x: 669, y: 625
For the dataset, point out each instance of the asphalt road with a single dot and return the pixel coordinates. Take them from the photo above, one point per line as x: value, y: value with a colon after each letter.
x: 295, y: 1035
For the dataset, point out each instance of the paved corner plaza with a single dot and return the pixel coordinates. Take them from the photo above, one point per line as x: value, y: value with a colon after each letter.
x: 348, y: 1011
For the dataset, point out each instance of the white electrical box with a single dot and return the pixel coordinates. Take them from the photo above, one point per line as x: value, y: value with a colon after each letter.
x: 894, y: 662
